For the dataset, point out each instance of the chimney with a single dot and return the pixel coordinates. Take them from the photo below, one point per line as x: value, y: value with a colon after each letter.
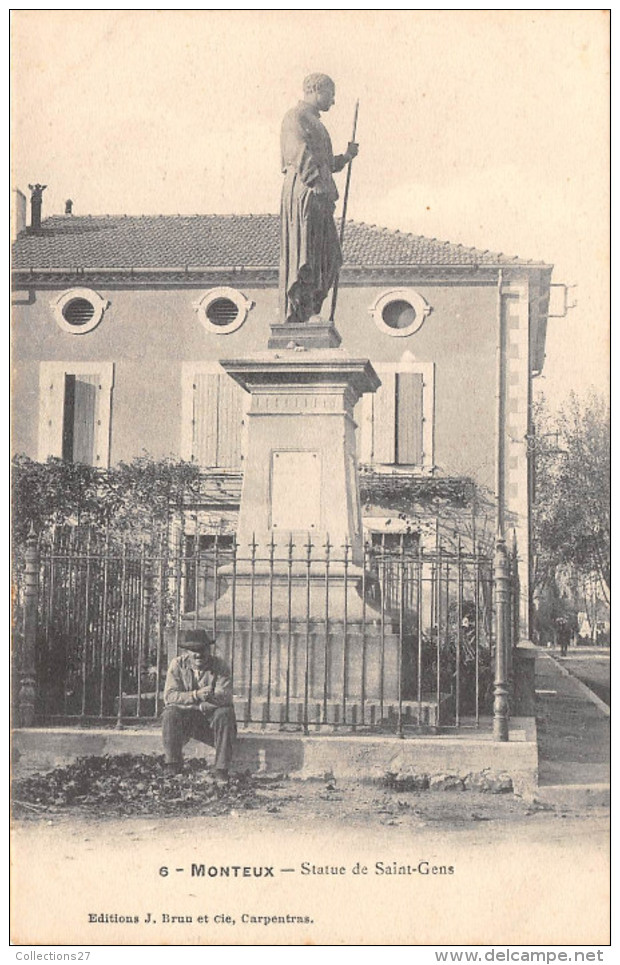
x: 36, y: 200
x: 68, y: 206
x: 18, y: 213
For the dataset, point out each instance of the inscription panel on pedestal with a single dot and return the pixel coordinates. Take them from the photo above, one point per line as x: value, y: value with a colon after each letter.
x: 295, y: 489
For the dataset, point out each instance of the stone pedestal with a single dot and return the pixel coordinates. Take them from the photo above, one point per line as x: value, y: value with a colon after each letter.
x: 300, y: 474
x: 291, y: 618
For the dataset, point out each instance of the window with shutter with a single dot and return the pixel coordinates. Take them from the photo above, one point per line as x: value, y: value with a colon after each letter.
x: 214, y: 409
x: 75, y: 411
x: 396, y: 422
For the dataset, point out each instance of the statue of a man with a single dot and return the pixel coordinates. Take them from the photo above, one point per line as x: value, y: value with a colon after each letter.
x: 310, y: 255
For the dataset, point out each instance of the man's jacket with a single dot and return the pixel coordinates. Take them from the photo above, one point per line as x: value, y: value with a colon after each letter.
x: 182, y: 680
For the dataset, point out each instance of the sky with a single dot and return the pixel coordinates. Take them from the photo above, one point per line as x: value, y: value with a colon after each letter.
x: 484, y: 128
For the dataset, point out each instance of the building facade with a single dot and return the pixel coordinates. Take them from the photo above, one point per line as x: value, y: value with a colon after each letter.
x: 120, y: 323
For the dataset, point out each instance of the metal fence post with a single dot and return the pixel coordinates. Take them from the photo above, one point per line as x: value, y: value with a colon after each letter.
x: 502, y: 640
x: 516, y: 593
x: 27, y: 660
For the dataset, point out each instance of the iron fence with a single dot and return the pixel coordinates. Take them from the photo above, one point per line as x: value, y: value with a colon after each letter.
x: 402, y: 638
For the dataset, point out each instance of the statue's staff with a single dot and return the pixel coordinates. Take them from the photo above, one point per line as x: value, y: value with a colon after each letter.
x: 344, y: 211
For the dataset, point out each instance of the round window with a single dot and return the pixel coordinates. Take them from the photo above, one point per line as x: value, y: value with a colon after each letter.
x: 400, y: 312
x: 223, y: 310
x: 79, y: 310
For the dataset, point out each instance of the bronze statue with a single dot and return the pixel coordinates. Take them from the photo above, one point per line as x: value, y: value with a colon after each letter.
x: 310, y: 255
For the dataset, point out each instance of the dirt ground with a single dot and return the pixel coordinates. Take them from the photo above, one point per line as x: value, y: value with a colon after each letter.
x: 265, y: 804
x: 107, y: 797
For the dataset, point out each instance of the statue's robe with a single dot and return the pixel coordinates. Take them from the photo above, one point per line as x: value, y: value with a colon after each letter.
x: 310, y: 255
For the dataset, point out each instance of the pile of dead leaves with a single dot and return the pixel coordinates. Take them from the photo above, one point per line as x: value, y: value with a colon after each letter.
x: 133, y: 784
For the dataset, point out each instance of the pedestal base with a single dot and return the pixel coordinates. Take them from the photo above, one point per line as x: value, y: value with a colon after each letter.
x: 309, y: 661
x: 298, y: 592
x: 317, y: 333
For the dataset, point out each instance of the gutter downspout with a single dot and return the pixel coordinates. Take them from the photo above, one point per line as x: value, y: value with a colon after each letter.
x: 501, y: 562
x: 500, y: 420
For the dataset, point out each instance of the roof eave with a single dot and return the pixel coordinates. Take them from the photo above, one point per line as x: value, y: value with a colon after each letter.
x: 347, y: 269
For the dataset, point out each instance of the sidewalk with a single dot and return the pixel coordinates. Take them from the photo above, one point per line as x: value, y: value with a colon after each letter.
x: 573, y: 737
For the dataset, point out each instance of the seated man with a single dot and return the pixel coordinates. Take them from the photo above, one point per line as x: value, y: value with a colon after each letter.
x: 199, y: 703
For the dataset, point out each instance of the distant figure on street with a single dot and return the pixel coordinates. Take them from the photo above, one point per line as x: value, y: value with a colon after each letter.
x: 563, y: 635
x: 199, y: 703
x: 310, y: 255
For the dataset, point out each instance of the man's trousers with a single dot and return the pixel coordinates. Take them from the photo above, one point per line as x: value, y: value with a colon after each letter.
x: 217, y: 728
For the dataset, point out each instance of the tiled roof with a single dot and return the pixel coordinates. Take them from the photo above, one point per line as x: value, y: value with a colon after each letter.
x: 217, y: 241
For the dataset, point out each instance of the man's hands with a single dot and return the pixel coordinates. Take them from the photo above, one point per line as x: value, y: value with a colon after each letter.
x: 352, y: 150
x: 203, y: 693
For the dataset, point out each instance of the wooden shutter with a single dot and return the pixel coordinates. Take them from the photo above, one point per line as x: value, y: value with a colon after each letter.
x: 217, y: 420
x: 384, y: 420
x: 52, y: 389
x: 84, y: 419
x: 205, y: 418
x: 409, y: 418
x: 231, y: 412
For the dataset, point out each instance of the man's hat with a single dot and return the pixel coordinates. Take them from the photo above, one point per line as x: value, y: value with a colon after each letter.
x: 197, y: 640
